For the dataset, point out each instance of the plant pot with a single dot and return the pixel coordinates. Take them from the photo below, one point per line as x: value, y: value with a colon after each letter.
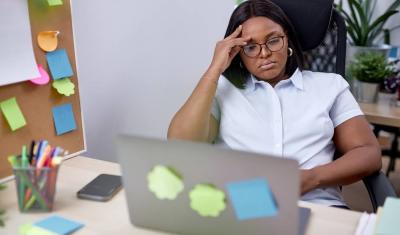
x: 366, y: 92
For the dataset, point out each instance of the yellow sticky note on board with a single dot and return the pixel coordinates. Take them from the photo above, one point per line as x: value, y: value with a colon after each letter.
x: 12, y: 113
x: 55, y: 2
x: 48, y: 40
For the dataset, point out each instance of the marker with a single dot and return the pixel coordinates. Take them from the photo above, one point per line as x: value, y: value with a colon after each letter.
x: 24, y: 158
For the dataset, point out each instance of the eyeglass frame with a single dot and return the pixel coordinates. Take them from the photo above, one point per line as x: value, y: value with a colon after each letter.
x: 261, y: 44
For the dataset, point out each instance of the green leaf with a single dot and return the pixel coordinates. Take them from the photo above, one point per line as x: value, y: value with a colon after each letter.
x: 363, y: 21
x: 378, y: 23
x: 394, y: 5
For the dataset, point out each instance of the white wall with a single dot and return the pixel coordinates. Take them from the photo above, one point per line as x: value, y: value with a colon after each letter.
x: 139, y: 61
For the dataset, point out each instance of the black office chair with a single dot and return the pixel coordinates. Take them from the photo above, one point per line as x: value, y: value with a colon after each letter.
x: 393, y: 152
x: 322, y: 34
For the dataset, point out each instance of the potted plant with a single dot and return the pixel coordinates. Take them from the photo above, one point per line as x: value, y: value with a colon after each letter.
x: 364, y: 31
x: 370, y: 70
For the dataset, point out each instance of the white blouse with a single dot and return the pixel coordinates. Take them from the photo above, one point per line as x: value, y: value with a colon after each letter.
x: 295, y: 119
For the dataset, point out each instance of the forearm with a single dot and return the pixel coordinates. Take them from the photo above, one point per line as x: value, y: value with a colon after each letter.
x: 351, y: 167
x: 192, y: 121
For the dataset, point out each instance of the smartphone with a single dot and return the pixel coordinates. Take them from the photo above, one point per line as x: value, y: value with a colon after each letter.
x: 101, y: 188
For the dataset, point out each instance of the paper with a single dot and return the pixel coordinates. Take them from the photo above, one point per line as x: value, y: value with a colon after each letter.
x: 64, y: 120
x: 17, y: 60
x: 29, y: 229
x: 44, y: 77
x: 165, y: 182
x: 366, y: 224
x: 55, y: 2
x: 47, y: 40
x: 59, y: 64
x: 252, y: 199
x: 64, y: 86
x: 59, y: 225
x: 12, y: 113
x: 389, y: 219
x: 207, y: 200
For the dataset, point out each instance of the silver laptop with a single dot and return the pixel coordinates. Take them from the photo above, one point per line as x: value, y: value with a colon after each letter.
x: 199, y: 163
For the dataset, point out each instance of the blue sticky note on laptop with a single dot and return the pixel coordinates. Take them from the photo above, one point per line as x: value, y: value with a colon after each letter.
x: 252, y: 199
x: 59, y: 225
x: 59, y: 64
x: 64, y: 119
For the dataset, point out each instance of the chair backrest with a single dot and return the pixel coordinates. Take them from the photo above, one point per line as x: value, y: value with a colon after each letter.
x: 330, y: 54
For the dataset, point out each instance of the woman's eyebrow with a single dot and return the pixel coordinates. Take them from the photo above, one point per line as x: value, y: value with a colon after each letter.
x: 273, y: 33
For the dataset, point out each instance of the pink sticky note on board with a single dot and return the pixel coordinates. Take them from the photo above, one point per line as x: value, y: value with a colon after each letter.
x: 44, y: 77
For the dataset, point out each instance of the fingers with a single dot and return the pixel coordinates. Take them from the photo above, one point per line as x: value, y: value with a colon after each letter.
x: 236, y: 33
x: 234, y: 52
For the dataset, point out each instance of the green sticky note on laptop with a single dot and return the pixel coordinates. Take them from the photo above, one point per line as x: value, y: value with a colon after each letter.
x: 389, y: 221
x: 55, y: 2
x: 12, y: 113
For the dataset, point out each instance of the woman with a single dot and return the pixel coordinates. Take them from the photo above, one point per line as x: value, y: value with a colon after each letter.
x: 256, y: 97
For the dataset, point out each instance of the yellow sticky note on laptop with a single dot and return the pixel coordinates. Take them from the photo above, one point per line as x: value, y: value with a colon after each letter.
x: 12, y: 113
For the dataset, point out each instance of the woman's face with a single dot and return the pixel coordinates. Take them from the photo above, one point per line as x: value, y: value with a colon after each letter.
x: 268, y: 66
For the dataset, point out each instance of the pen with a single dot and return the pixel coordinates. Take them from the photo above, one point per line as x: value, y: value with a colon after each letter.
x: 31, y: 151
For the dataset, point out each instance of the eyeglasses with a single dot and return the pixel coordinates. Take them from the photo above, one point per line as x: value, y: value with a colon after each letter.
x: 274, y: 44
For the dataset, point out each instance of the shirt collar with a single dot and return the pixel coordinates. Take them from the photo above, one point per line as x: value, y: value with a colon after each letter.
x: 296, y: 79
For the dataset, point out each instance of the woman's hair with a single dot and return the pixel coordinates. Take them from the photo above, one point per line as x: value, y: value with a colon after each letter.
x: 237, y: 73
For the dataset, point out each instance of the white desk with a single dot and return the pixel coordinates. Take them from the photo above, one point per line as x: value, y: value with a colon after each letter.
x: 112, y: 217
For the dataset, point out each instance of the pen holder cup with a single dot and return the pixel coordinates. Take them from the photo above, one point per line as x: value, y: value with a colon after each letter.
x: 36, y: 188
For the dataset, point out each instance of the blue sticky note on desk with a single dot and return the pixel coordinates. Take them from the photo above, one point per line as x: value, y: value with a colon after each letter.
x: 64, y: 119
x: 252, y: 199
x: 59, y: 225
x: 388, y: 224
x: 59, y: 64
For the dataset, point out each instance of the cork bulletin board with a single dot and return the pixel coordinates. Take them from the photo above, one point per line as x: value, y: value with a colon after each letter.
x: 36, y: 102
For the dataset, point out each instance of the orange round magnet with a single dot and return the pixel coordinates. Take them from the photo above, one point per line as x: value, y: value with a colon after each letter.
x: 47, y: 40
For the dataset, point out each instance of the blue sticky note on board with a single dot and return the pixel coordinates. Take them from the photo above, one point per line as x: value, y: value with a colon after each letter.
x: 59, y: 64
x: 59, y: 225
x: 64, y: 119
x: 252, y: 199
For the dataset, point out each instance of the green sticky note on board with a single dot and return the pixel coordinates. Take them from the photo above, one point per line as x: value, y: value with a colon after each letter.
x: 12, y: 113
x: 55, y: 2
x: 165, y: 182
x: 64, y: 86
x: 207, y: 200
x: 389, y: 221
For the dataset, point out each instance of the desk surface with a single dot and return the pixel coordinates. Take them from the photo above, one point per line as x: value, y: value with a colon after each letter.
x: 382, y: 113
x: 112, y: 217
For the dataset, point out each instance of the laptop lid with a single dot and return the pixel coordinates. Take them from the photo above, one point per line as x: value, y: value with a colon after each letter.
x: 205, y: 164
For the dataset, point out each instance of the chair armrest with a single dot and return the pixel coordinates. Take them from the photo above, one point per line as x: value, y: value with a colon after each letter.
x: 378, y: 187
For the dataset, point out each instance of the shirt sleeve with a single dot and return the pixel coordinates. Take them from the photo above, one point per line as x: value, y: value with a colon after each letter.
x: 345, y: 105
x: 215, y: 111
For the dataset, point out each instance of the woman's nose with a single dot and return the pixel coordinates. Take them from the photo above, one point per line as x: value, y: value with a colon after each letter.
x: 265, y: 52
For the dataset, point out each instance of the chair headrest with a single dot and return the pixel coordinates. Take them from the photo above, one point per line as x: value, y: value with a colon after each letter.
x: 310, y: 19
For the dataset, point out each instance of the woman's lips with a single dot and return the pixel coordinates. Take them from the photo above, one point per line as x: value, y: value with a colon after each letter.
x: 267, y: 65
